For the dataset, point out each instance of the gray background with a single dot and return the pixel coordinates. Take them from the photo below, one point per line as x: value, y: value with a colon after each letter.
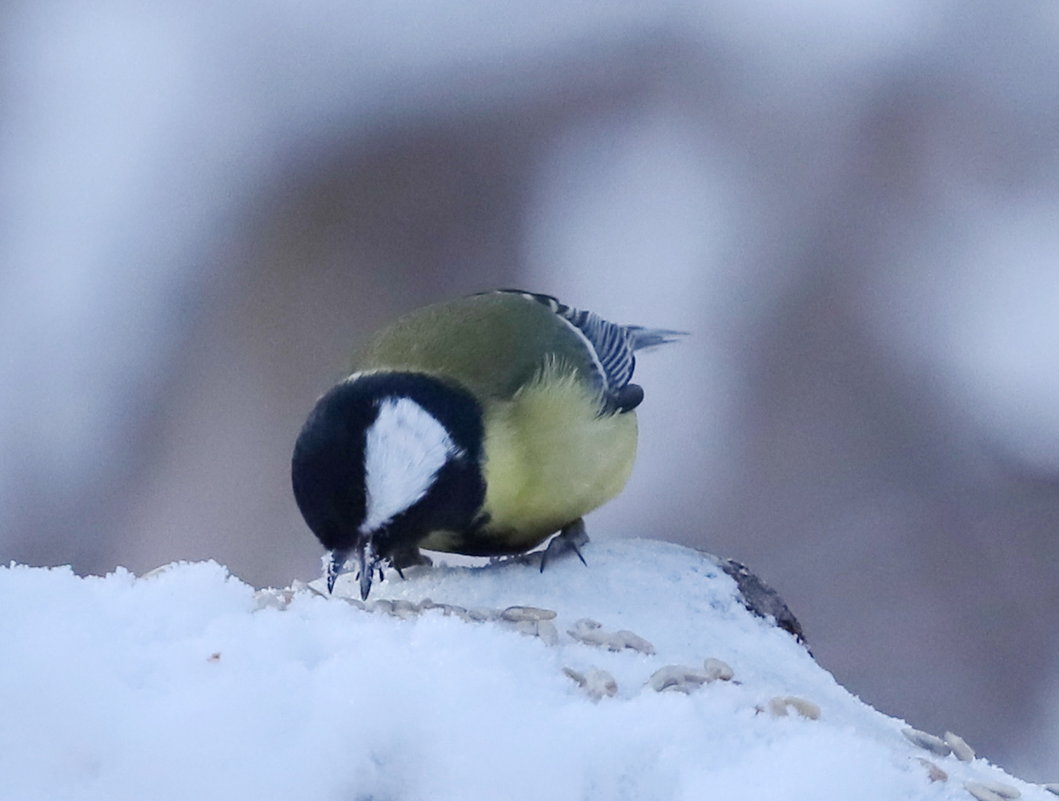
x: 854, y: 208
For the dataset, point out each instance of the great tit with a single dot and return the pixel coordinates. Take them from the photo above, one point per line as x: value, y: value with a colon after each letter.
x: 478, y: 426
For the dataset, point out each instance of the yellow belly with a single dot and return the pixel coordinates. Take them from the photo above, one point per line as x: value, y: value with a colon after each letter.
x: 549, y: 459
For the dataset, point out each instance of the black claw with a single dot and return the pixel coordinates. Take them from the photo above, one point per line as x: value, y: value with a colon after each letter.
x: 334, y: 568
x: 366, y: 571
x: 577, y: 550
x: 571, y: 538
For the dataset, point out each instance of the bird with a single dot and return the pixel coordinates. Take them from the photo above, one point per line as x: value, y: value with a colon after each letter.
x: 481, y: 425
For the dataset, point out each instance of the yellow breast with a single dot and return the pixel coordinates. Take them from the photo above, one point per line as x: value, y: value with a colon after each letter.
x: 549, y: 458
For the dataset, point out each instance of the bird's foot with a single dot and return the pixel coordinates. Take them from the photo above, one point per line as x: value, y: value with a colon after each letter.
x: 409, y: 558
x: 334, y: 566
x: 570, y: 538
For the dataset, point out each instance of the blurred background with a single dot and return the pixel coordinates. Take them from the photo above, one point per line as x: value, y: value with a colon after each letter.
x: 853, y: 207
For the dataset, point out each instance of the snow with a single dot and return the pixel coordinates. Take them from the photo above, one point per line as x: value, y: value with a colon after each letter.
x: 186, y: 683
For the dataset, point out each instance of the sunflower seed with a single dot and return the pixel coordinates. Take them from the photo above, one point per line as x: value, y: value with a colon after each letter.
x: 546, y: 631
x: 382, y: 606
x: 934, y: 773
x: 513, y: 614
x: 528, y: 627
x: 1002, y: 790
x: 779, y: 705
x: 981, y: 792
x: 404, y: 609
x: 451, y: 610
x: 590, y: 636
x: 960, y: 749
x: 634, y: 642
x: 597, y: 683
x: 928, y: 741
x: 677, y: 678
x: 718, y: 670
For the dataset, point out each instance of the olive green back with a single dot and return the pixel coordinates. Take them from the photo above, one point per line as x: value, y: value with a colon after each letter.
x: 492, y: 343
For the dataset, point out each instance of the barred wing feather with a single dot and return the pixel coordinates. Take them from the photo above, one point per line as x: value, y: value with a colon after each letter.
x: 611, y: 346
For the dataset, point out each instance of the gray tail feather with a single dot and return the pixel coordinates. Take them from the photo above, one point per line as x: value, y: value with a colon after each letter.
x: 647, y: 338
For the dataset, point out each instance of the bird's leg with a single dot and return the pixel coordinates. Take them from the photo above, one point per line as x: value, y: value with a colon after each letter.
x: 407, y: 557
x: 570, y: 538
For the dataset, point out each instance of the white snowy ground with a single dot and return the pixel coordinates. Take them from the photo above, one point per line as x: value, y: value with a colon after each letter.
x: 187, y: 685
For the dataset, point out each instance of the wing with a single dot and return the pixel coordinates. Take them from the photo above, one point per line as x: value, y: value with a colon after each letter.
x: 522, y: 330
x: 610, y: 346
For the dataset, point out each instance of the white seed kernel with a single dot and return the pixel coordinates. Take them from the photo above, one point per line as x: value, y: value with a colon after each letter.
x: 1002, y: 790
x: 546, y: 631
x: 934, y: 773
x: 928, y: 741
x: 677, y: 678
x: 597, y: 683
x: 514, y: 614
x: 586, y: 623
x: 382, y: 606
x: 779, y: 706
x: 718, y: 670
x: 981, y: 792
x: 960, y: 749
x: 634, y: 642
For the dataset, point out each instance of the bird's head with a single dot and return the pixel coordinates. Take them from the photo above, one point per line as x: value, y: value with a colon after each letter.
x: 384, y: 459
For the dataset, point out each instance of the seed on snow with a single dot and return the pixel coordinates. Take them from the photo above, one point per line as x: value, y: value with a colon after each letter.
x: 546, y: 631
x: 1002, y: 790
x: 779, y: 705
x: 404, y: 609
x: 928, y: 741
x: 590, y: 636
x: 634, y: 642
x: 960, y: 749
x: 718, y: 670
x: 382, y: 606
x: 597, y: 683
x: 677, y: 678
x: 934, y: 773
x: 984, y: 791
x: 514, y: 614
x: 586, y: 623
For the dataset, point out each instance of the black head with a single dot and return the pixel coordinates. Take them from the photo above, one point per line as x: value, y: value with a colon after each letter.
x: 384, y: 459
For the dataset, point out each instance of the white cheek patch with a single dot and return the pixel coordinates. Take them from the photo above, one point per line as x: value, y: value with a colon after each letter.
x: 403, y: 451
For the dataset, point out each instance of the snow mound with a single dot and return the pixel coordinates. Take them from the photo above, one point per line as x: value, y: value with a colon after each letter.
x: 640, y: 677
